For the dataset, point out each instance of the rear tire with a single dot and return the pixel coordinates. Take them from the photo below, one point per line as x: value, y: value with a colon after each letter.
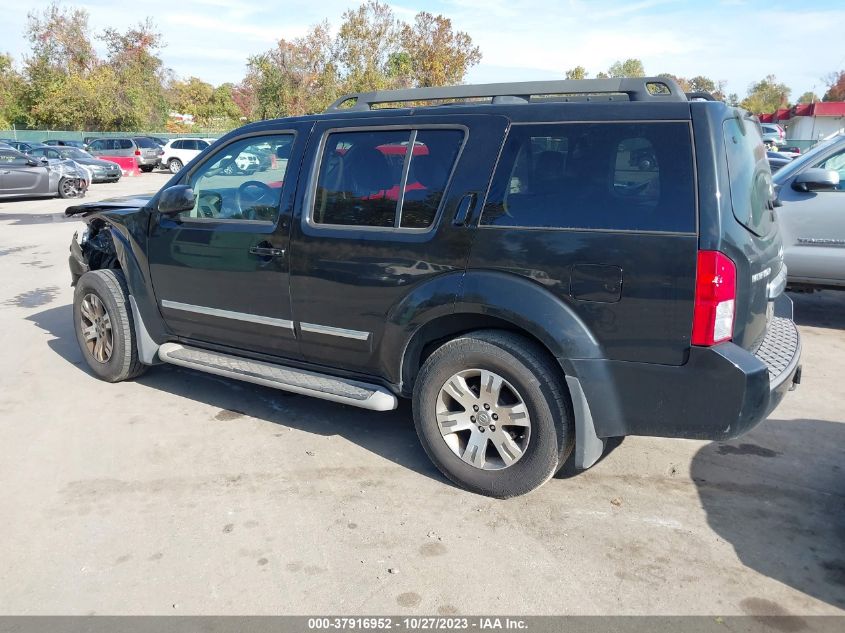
x: 174, y: 165
x: 146, y: 168
x: 104, y: 326
x: 524, y: 379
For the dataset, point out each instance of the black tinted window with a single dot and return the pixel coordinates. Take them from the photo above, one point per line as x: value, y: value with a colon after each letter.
x: 750, y: 175
x: 177, y: 145
x: 622, y: 176
x: 361, y: 175
x: 146, y: 143
x: 432, y: 160
x: 123, y: 143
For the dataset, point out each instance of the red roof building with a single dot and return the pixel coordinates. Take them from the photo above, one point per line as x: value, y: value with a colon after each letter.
x: 809, y: 121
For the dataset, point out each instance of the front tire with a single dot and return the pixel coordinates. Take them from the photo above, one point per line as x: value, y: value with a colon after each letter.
x: 68, y: 188
x: 104, y: 326
x: 174, y: 165
x: 493, y: 414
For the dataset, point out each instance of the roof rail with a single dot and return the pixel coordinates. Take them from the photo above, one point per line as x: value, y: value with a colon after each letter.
x: 637, y: 89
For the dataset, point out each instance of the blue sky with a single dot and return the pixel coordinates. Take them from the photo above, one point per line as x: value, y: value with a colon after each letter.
x: 739, y: 41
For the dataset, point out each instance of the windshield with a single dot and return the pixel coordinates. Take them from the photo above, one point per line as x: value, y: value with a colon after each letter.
x: 789, y: 170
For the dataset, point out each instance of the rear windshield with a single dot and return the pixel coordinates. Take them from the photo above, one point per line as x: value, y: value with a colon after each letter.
x: 750, y: 176
x: 145, y: 143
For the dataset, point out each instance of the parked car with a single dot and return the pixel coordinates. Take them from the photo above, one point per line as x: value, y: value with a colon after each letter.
x: 180, y: 151
x: 811, y: 197
x: 147, y: 154
x: 777, y: 160
x: 21, y: 146
x: 536, y: 275
x: 64, y: 143
x: 773, y: 134
x: 87, y: 140
x: 22, y: 175
x: 161, y: 142
x: 101, y: 170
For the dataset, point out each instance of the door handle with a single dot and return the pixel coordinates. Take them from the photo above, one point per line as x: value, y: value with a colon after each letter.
x: 464, y: 207
x: 266, y: 251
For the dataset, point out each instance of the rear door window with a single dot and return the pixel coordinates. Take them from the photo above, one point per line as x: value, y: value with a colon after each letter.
x: 750, y: 175
x: 123, y: 143
x: 605, y: 176
x: 368, y: 178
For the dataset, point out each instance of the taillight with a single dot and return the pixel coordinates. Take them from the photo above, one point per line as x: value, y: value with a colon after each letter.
x: 715, y: 299
x: 137, y: 152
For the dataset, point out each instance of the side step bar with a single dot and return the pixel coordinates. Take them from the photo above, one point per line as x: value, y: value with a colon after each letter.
x: 357, y: 394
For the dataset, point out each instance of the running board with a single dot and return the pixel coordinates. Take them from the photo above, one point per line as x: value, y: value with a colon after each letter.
x: 357, y: 394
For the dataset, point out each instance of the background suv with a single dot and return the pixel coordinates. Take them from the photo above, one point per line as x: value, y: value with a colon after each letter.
x: 180, y: 151
x: 146, y: 152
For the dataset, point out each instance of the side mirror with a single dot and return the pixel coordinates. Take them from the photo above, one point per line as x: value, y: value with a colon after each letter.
x: 176, y: 199
x: 31, y: 162
x: 816, y: 180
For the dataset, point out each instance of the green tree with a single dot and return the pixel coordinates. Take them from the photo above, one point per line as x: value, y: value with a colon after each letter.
x: 134, y: 57
x: 11, y: 94
x: 579, y: 72
x: 766, y: 95
x: 808, y: 97
x: 628, y: 68
x: 367, y: 38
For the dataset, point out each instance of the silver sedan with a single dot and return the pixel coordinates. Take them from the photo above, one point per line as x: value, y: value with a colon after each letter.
x: 22, y: 175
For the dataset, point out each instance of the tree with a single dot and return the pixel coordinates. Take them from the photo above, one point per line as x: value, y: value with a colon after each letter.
x: 371, y: 51
x: 438, y: 54
x: 367, y: 38
x: 133, y: 55
x: 684, y: 84
x: 808, y: 97
x: 11, y: 93
x: 835, y: 87
x: 766, y: 95
x: 579, y: 72
x: 628, y: 68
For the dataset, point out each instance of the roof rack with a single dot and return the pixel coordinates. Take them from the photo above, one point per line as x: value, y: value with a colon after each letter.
x: 637, y: 89
x: 701, y: 96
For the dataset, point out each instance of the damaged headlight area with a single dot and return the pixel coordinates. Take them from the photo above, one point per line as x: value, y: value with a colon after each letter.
x: 92, y: 249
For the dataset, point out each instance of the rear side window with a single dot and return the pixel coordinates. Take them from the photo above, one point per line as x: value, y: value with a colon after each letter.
x: 124, y: 143
x: 750, y: 176
x: 369, y: 178
x: 146, y: 143
x: 612, y: 176
x: 177, y: 145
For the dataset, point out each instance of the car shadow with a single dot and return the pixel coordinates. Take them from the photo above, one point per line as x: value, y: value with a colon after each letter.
x: 825, y: 308
x: 777, y: 495
x: 388, y: 434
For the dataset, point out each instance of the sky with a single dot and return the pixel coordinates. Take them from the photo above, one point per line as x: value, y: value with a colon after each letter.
x: 739, y: 41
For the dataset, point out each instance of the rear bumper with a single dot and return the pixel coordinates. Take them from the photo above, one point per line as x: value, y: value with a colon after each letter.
x: 720, y: 393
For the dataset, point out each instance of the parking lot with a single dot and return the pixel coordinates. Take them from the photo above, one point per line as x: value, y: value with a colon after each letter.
x: 184, y: 493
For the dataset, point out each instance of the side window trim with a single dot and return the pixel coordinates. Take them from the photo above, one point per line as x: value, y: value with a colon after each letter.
x: 314, y: 172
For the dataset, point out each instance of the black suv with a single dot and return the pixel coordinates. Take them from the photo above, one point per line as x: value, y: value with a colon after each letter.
x: 541, y: 267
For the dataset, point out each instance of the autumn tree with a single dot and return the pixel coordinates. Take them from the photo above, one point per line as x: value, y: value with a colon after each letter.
x: 766, y: 95
x: 437, y: 54
x: 808, y: 97
x: 372, y: 50
x: 835, y: 87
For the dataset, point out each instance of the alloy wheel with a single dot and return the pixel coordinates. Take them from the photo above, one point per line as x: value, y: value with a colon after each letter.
x: 483, y: 419
x: 95, y: 324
